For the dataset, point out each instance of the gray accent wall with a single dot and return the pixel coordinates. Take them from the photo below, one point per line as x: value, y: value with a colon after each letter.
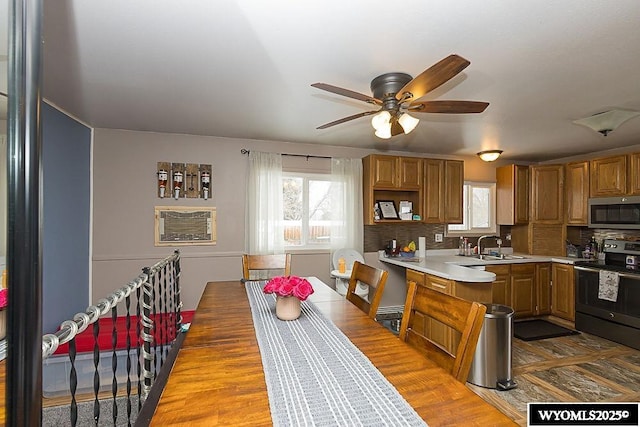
x: 66, y: 210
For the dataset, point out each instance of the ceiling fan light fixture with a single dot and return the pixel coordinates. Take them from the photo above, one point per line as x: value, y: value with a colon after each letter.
x: 489, y: 155
x: 384, y: 131
x: 408, y: 122
x: 607, y: 121
x: 381, y: 120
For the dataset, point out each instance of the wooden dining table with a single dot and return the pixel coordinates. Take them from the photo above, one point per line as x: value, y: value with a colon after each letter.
x: 218, y: 377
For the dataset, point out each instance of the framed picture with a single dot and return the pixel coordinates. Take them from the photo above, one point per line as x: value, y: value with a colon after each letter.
x: 387, y: 209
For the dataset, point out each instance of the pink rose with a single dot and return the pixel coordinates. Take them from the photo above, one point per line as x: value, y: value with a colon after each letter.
x: 288, y: 286
x: 303, y: 289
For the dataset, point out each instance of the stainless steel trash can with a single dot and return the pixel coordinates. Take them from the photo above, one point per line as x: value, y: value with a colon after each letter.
x: 491, y: 365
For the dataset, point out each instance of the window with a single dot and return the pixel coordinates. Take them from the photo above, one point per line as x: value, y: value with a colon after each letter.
x: 479, y: 202
x: 307, y: 208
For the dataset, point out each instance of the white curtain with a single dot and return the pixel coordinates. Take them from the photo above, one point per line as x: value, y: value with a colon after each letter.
x: 264, y: 217
x: 347, y: 227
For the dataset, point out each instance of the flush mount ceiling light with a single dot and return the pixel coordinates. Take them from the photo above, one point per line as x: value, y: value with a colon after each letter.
x: 607, y: 121
x: 489, y: 155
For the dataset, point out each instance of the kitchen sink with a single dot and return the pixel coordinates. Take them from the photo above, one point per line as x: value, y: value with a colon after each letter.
x: 503, y: 257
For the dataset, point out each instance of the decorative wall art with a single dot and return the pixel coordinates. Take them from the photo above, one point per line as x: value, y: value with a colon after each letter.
x: 184, y: 180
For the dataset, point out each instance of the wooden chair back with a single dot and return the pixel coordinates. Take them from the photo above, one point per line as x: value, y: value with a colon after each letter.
x: 266, y: 266
x: 373, y: 277
x: 463, y: 316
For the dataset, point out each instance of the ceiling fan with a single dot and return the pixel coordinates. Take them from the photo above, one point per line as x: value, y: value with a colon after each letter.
x: 398, y: 94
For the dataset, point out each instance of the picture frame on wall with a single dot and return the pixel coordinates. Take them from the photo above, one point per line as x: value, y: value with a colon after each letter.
x: 387, y: 209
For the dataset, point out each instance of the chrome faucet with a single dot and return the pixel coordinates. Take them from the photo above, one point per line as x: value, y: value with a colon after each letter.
x: 489, y: 236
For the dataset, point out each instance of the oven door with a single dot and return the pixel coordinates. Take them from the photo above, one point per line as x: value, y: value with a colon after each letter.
x: 625, y: 310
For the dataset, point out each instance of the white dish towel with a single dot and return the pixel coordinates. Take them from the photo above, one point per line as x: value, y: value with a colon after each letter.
x: 608, y: 287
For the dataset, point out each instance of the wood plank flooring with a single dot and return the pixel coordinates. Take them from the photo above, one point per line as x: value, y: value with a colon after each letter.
x: 577, y: 368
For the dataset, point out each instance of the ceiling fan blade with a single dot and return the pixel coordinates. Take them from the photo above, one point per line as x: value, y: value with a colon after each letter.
x: 346, y: 119
x: 432, y: 77
x: 348, y: 93
x: 449, y: 107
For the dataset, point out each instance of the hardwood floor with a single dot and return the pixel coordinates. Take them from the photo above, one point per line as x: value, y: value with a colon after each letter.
x: 577, y: 368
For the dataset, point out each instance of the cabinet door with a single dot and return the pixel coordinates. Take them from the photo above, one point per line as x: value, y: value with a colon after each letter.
x: 433, y: 191
x: 500, y: 286
x: 410, y: 176
x: 439, y: 332
x: 563, y: 291
x: 608, y: 176
x: 521, y: 208
x: 418, y: 322
x: 523, y: 289
x: 634, y: 174
x: 512, y: 195
x: 547, y: 185
x: 384, y: 171
x: 577, y: 192
x: 454, y: 183
x: 543, y: 288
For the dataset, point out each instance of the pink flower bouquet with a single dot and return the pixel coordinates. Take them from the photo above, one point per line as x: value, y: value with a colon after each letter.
x: 4, y: 298
x: 286, y: 286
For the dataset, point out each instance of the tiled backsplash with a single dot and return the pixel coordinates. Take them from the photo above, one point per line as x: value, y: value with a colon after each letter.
x: 376, y: 237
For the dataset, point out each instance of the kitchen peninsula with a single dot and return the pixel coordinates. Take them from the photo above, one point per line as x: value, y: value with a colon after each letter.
x: 522, y: 282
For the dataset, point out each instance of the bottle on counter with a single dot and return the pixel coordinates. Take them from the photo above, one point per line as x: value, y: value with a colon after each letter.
x: 461, y: 247
x: 342, y: 267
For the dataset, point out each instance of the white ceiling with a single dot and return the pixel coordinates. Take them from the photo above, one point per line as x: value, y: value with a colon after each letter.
x: 243, y: 69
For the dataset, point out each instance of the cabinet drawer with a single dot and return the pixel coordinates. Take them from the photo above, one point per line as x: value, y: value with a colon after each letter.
x: 498, y: 269
x: 528, y: 268
x: 439, y: 284
x: 415, y: 276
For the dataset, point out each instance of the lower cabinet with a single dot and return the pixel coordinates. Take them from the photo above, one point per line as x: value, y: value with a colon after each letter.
x: 563, y: 291
x: 434, y: 330
x: 500, y: 288
x: 524, y: 287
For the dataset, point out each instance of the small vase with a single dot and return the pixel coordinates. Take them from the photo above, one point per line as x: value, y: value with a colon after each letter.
x: 3, y: 323
x: 287, y: 308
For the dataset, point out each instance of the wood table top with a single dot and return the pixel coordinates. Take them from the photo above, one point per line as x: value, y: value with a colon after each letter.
x: 218, y: 377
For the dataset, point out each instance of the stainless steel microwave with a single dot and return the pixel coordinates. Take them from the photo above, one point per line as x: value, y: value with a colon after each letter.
x: 615, y: 212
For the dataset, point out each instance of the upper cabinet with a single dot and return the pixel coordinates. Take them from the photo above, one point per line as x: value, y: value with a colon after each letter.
x: 454, y: 184
x: 395, y: 172
x: 391, y: 178
x: 577, y: 192
x: 433, y: 186
x: 443, y: 186
x: 547, y: 194
x: 608, y: 176
x: 512, y: 195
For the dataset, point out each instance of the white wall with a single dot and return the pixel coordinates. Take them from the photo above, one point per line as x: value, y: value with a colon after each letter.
x: 125, y: 195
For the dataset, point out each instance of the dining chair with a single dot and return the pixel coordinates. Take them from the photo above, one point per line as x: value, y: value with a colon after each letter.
x: 463, y: 316
x: 261, y: 267
x: 375, y: 279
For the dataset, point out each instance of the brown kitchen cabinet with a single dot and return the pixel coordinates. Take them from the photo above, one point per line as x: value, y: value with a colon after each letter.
x: 522, y: 286
x: 391, y: 178
x: 454, y: 184
x: 443, y: 187
x: 563, y: 291
x: 577, y: 192
x: 434, y: 330
x: 512, y: 195
x: 394, y: 172
x: 608, y: 176
x: 547, y: 194
x: 634, y: 174
x: 543, y: 288
x: 500, y: 286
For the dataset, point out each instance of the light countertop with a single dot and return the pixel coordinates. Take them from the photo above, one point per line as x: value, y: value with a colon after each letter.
x: 447, y: 264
